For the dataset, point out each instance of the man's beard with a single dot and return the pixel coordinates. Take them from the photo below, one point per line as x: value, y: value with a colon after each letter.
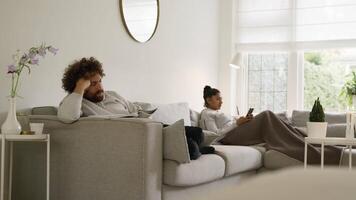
x: 97, y: 97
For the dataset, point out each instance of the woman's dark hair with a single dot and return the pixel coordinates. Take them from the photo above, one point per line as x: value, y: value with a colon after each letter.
x: 209, y: 92
x: 85, y: 68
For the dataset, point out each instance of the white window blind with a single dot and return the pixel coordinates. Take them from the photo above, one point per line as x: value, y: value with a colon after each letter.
x: 261, y: 21
x: 325, y: 20
x: 284, y: 21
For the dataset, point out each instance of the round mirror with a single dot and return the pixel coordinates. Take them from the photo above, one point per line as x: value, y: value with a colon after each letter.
x: 140, y: 18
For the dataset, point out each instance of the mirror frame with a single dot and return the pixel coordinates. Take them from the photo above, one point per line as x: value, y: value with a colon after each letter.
x: 127, y: 28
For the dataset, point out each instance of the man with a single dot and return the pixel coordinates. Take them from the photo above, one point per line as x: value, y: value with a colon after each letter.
x: 86, y: 95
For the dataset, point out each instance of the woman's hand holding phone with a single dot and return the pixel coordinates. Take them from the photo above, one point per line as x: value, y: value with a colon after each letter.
x: 247, y: 118
x: 242, y: 120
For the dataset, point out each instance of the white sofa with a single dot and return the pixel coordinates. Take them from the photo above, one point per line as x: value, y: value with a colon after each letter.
x: 122, y: 158
x: 111, y: 159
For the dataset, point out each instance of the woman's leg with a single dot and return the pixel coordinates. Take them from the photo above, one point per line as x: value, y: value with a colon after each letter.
x: 196, y: 135
x: 280, y: 136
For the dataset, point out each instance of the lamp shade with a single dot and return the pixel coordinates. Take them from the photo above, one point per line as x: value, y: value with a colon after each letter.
x: 236, y: 61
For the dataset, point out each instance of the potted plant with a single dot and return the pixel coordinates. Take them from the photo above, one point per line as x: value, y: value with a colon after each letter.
x: 348, y: 91
x: 21, y: 62
x: 317, y: 126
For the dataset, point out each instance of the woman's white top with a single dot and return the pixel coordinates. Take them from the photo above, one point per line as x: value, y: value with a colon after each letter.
x: 216, y: 121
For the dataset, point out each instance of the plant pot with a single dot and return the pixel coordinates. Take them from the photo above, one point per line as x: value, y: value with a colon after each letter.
x: 317, y: 129
x: 11, y: 125
x: 353, y: 102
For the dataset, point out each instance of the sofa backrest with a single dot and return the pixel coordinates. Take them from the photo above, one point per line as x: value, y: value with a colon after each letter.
x: 336, y: 122
x: 301, y: 117
x: 44, y: 110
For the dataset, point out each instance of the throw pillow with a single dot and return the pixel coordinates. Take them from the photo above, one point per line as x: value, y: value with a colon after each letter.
x: 175, y: 146
x: 335, y: 118
x: 194, y: 117
x: 170, y: 113
x: 300, y: 118
x: 336, y: 130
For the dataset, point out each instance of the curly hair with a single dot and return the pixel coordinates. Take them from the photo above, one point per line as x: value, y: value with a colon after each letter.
x: 85, y: 68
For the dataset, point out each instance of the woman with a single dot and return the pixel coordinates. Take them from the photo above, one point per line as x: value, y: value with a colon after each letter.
x: 266, y: 128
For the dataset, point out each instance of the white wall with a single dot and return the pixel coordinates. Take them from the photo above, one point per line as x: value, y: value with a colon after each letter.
x: 174, y: 66
x: 226, y: 53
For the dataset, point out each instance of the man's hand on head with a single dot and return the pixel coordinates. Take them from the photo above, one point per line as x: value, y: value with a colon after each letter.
x: 81, y: 85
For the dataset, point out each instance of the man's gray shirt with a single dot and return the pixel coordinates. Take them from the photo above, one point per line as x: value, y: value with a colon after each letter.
x: 74, y: 106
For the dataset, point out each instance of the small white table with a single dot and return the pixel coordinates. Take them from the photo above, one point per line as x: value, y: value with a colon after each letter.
x: 23, y: 138
x: 328, y: 141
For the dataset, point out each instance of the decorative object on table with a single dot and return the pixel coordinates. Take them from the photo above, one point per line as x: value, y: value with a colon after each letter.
x: 37, y: 128
x: 350, y: 125
x: 21, y: 62
x: 27, y: 133
x: 24, y: 121
x: 317, y: 126
x: 348, y: 91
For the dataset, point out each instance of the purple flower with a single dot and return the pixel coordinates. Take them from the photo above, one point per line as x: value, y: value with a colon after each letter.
x: 53, y: 50
x: 11, y: 69
x: 34, y: 61
x: 24, y: 59
x: 32, y: 54
x: 42, y: 51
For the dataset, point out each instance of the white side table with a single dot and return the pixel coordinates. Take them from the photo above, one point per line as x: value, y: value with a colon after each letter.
x: 23, y: 138
x: 328, y: 141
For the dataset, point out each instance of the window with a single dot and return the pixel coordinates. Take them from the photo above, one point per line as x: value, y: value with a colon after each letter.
x: 317, y: 39
x: 324, y: 75
x: 267, y: 81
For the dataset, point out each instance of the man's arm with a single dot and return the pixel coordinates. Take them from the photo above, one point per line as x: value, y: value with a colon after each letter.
x: 131, y: 107
x: 70, y: 109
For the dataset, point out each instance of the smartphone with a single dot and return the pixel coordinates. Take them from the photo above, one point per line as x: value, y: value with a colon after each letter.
x: 250, y: 111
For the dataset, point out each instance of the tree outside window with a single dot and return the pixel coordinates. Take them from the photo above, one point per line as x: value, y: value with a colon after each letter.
x: 324, y: 75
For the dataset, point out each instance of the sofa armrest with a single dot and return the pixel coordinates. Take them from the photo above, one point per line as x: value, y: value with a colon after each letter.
x: 97, y: 158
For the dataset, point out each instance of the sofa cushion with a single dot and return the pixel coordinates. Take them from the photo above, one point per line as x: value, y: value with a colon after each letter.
x: 170, y: 113
x: 194, y: 117
x: 335, y: 118
x: 239, y: 158
x: 275, y: 160
x: 300, y: 118
x: 208, y: 167
x: 336, y: 130
x: 175, y: 146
